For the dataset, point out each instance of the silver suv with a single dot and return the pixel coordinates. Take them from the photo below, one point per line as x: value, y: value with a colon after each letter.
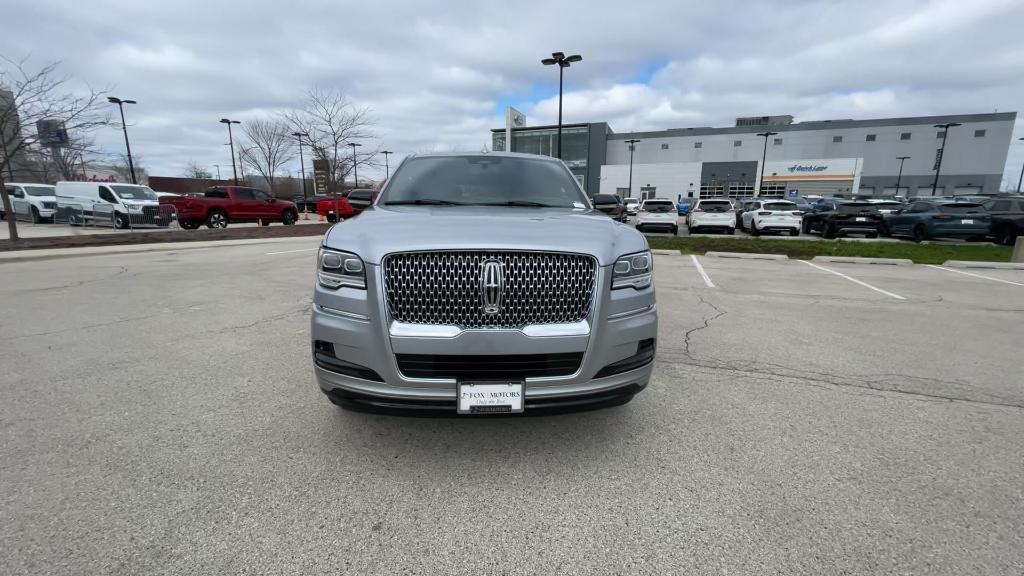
x: 483, y: 283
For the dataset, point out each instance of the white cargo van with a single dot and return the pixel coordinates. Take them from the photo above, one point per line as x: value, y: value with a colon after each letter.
x: 121, y: 205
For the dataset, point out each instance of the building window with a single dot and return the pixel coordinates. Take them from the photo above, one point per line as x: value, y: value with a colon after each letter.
x: 869, y: 138
x: 647, y: 192
x: 979, y: 133
x: 905, y: 136
x: 664, y: 146
x: 777, y: 142
x: 837, y: 139
x: 737, y: 143
x: 698, y: 144
x: 622, y: 192
x: 940, y: 134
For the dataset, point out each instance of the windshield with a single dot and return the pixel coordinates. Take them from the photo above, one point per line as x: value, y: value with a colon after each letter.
x: 38, y: 190
x: 779, y: 206
x: 659, y: 206
x: 133, y: 192
x: 715, y: 206
x: 488, y: 180
x: 960, y: 208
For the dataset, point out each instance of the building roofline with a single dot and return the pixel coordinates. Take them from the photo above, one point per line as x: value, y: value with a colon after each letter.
x: 547, y: 127
x: 820, y: 125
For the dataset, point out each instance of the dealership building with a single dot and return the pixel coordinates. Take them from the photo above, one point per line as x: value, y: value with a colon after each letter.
x: 822, y: 157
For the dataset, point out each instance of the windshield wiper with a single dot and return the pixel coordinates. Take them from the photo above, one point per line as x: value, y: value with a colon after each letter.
x: 520, y: 203
x: 423, y: 202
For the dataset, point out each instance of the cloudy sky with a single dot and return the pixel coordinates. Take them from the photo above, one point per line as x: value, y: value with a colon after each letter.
x: 438, y: 75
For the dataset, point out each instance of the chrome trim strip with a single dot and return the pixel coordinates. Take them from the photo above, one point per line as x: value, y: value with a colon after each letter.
x: 629, y: 313
x: 344, y: 314
x: 407, y: 330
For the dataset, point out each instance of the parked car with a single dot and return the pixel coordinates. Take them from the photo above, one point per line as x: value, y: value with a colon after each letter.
x: 120, y: 205
x: 37, y: 201
x: 657, y: 214
x: 887, y: 206
x: 632, y: 206
x: 1007, y: 218
x: 924, y: 220
x: 612, y: 205
x: 741, y: 205
x: 683, y: 206
x: 712, y: 214
x: 834, y: 216
x: 535, y: 301
x: 223, y: 205
x: 772, y: 216
x: 327, y: 205
x: 801, y: 203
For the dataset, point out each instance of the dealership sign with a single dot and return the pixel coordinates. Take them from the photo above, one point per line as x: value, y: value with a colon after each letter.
x: 807, y: 168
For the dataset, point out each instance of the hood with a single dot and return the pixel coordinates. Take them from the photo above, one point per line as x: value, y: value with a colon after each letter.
x: 379, y: 231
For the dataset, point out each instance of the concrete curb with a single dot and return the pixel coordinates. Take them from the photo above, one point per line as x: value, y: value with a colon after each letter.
x: 860, y: 260
x: 747, y: 256
x: 662, y: 252
x: 988, y: 265
x: 50, y: 254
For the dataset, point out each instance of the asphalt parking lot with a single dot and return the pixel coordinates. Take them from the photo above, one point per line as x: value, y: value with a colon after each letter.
x: 160, y: 416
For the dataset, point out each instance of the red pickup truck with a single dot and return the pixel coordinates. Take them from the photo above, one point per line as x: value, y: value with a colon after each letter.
x: 221, y: 205
x: 326, y: 206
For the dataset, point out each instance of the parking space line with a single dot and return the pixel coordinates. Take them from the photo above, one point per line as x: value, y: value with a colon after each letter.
x: 854, y: 280
x: 703, y: 274
x: 975, y: 275
x: 291, y: 251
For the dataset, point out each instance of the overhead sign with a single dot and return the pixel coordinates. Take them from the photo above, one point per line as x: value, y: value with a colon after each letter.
x: 807, y: 168
x: 321, y: 169
x: 938, y: 159
x: 52, y: 133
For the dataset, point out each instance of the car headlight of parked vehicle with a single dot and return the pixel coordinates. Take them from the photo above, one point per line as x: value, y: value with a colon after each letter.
x: 336, y: 269
x: 633, y: 271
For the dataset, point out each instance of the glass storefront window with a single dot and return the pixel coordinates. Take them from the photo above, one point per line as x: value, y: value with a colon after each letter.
x: 545, y: 142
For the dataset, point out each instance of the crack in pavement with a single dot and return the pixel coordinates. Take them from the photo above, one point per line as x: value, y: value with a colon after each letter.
x: 707, y: 322
x: 305, y: 310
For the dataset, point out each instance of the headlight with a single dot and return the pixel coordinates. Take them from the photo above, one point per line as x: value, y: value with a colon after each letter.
x: 633, y: 271
x: 336, y: 269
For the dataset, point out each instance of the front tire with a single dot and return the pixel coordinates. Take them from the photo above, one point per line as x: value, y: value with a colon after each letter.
x: 188, y: 224
x: 805, y: 227
x: 36, y: 218
x: 121, y: 221
x: 1007, y: 236
x: 753, y: 229
x: 216, y: 219
x: 731, y: 232
x: 288, y: 218
x: 827, y: 231
x: 920, y: 233
x: 675, y: 230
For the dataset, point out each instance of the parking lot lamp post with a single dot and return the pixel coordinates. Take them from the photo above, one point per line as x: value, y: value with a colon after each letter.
x: 563, y: 62
x: 217, y: 166
x: 632, y: 146
x: 302, y: 166
x: 1021, y: 174
x: 899, y: 176
x: 942, y: 151
x: 231, y: 142
x: 387, y: 170
x: 120, y: 105
x: 764, y: 156
x: 355, y: 179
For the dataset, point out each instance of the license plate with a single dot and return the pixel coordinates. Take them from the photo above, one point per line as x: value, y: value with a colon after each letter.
x: 967, y: 221
x: 861, y: 219
x: 490, y: 398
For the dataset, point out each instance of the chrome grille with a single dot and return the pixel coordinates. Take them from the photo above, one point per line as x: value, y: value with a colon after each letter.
x: 445, y: 288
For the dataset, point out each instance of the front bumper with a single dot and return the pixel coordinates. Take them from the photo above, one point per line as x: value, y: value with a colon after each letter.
x: 357, y: 326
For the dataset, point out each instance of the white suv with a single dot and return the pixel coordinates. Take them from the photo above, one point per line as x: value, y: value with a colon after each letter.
x: 716, y: 214
x: 772, y: 216
x: 658, y: 214
x: 35, y: 200
x: 632, y: 206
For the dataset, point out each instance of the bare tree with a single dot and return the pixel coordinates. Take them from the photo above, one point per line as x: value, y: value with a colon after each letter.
x: 123, y: 169
x: 194, y: 170
x: 271, y: 146
x: 331, y: 122
x: 28, y: 95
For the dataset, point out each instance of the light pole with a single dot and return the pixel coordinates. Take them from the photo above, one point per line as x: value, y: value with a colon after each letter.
x: 355, y: 184
x: 899, y: 176
x: 217, y: 166
x: 942, y: 151
x: 302, y: 166
x: 1021, y: 174
x: 563, y: 62
x: 632, y: 145
x: 231, y: 142
x: 387, y: 169
x: 764, y: 156
x: 120, y: 105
